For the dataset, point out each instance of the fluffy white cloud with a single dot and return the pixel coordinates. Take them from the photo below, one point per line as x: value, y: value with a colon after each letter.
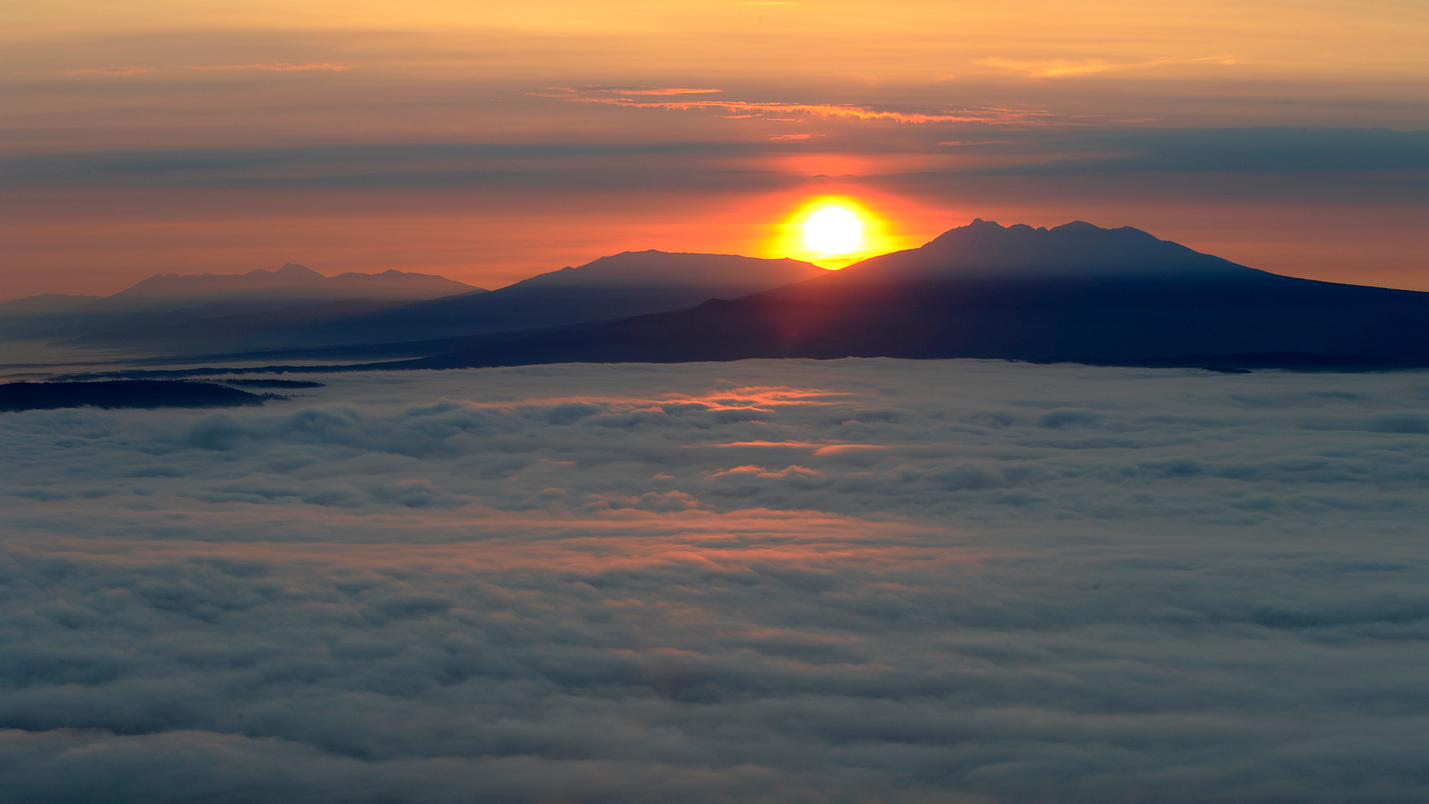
x: 859, y: 580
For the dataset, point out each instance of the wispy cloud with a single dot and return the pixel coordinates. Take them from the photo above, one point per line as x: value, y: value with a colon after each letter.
x: 1056, y: 68
x: 272, y: 67
x: 768, y: 109
x: 969, y: 143
x: 281, y: 67
x: 662, y: 91
x: 130, y: 70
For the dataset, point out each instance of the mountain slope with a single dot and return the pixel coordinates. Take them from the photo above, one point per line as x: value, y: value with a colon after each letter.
x: 1074, y: 292
x: 35, y: 316
x: 610, y: 288
x: 292, y: 282
x: 170, y: 313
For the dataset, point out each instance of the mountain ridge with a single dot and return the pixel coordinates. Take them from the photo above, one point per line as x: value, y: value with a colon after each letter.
x: 1076, y: 292
x: 296, y: 279
x: 987, y: 249
x: 145, y: 313
x: 609, y: 288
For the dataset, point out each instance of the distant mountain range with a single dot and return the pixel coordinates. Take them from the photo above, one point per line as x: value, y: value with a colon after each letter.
x: 608, y: 289
x: 1075, y: 292
x: 298, y: 309
x: 170, y: 306
x: 172, y: 312
x: 291, y: 282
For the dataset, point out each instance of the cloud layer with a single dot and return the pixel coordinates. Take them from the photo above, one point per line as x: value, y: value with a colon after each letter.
x: 862, y: 580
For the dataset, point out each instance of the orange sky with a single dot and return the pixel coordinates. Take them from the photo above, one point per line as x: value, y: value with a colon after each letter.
x: 491, y: 141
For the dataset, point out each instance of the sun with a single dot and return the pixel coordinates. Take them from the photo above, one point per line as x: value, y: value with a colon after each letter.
x: 832, y: 231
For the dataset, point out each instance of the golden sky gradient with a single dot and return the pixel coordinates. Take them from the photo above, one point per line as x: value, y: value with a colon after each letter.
x: 491, y: 141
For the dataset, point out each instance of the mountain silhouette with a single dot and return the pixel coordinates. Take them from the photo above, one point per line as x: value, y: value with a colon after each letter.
x: 17, y: 396
x: 610, y: 288
x: 293, y: 283
x: 172, y: 312
x: 1075, y: 292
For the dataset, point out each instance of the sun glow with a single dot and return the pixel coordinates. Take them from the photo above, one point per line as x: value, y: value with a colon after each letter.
x: 832, y: 231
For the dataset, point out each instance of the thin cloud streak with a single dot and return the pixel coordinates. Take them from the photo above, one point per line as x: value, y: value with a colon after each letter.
x: 663, y: 91
x: 274, y: 67
x: 986, y: 115
x: 281, y: 67
x: 130, y: 70
x: 1057, y: 68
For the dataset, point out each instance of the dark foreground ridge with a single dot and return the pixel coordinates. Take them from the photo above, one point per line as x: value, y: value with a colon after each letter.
x: 289, y: 384
x: 18, y: 396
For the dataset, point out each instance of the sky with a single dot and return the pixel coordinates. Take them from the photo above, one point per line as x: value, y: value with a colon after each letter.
x: 839, y: 581
x: 491, y: 141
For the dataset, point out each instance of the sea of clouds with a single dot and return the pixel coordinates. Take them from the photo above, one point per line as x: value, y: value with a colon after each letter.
x: 781, y: 581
